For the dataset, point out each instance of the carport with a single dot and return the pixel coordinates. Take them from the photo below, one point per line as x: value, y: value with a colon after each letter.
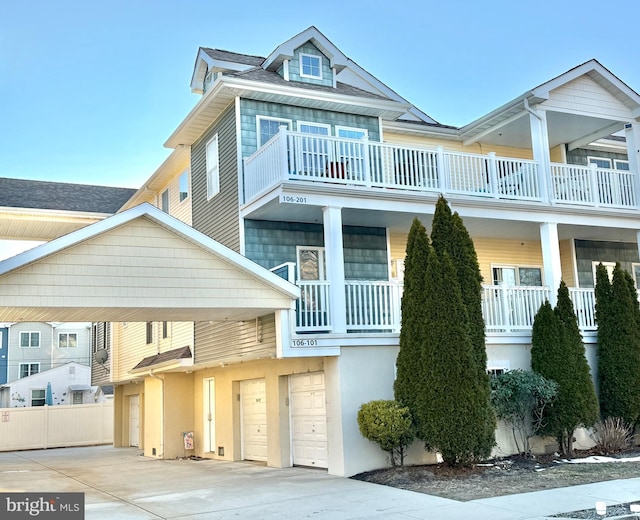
x: 143, y: 265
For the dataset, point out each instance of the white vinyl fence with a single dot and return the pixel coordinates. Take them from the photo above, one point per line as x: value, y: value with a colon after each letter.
x: 38, y: 427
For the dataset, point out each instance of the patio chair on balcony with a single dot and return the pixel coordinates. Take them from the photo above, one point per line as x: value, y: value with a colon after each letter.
x: 336, y: 169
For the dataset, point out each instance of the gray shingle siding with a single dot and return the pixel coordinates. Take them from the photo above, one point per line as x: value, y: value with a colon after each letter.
x: 271, y: 243
x: 250, y: 109
x: 589, y: 251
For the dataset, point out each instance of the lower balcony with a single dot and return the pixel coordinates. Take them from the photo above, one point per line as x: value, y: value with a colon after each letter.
x: 374, y: 306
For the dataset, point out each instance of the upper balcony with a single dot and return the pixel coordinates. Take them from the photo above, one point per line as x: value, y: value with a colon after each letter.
x: 293, y: 156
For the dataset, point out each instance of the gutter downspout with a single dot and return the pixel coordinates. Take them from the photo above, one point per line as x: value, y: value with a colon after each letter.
x: 161, y: 379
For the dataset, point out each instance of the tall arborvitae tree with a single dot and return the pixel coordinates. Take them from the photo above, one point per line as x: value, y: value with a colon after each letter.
x: 576, y: 404
x: 449, y: 235
x: 618, y: 345
x: 451, y: 404
x: 413, y: 320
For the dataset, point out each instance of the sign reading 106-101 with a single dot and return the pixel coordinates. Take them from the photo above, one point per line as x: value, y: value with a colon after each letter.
x: 293, y: 199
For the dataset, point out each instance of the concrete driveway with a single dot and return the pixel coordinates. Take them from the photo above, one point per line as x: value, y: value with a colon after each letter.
x: 120, y: 484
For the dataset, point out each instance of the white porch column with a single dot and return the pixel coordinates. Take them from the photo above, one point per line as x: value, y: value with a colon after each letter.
x: 632, y: 135
x: 551, y: 259
x: 334, y: 258
x: 540, y: 147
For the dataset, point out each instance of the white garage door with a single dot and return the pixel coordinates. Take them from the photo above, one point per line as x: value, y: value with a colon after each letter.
x: 308, y: 419
x: 253, y: 409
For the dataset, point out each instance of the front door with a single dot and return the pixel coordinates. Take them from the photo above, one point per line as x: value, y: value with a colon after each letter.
x: 210, y: 415
x: 134, y: 420
x: 314, y: 298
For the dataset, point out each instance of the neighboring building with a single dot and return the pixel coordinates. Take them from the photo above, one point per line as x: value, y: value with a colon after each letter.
x: 70, y: 383
x: 305, y: 165
x: 4, y: 350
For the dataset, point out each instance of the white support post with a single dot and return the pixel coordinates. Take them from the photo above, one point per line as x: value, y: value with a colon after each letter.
x: 493, y: 175
x: 285, y: 320
x: 638, y: 243
x: 283, y: 131
x: 444, y: 181
x: 334, y: 257
x: 551, y: 259
x: 632, y: 135
x: 593, y: 185
x: 366, y: 161
x: 540, y: 147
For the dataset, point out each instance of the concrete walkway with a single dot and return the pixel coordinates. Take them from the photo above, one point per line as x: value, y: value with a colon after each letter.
x: 119, y: 484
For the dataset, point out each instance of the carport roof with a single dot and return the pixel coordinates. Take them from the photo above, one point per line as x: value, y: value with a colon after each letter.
x: 138, y: 265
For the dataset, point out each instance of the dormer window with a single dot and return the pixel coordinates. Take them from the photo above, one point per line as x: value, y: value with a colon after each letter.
x: 310, y: 66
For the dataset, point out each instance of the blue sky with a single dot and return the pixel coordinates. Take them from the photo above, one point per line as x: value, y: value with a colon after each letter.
x: 89, y: 91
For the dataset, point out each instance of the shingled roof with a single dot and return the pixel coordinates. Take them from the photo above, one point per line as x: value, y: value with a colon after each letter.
x: 234, y: 57
x: 22, y: 193
x: 171, y: 355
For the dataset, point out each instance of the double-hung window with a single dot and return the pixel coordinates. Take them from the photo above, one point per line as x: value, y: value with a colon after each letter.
x: 268, y: 127
x: 213, y: 167
x: 149, y: 332
x: 164, y: 201
x: 29, y: 339
x: 517, y: 275
x: 315, y: 149
x: 28, y: 369
x: 38, y: 397
x: 310, y: 66
x: 184, y: 186
x: 66, y: 339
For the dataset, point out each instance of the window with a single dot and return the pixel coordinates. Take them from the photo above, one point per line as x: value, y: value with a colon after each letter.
x: 184, y: 186
x: 66, y: 339
x: 29, y: 339
x: 351, y: 133
x: 165, y: 330
x: 164, y: 201
x: 636, y: 274
x: 267, y: 127
x: 497, y: 367
x: 78, y: 397
x: 315, y: 150
x: 516, y: 275
x: 600, y: 162
x: 213, y: 168
x: 311, y: 263
x: 621, y: 165
x: 149, y: 332
x: 603, y: 162
x: 28, y: 369
x: 609, y: 266
x: 310, y: 66
x: 38, y: 397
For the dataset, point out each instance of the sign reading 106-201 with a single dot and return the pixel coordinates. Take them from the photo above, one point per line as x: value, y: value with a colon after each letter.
x: 293, y: 199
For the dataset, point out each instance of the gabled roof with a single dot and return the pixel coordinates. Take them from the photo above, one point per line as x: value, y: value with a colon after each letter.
x: 138, y: 265
x: 22, y: 193
x: 599, y: 73
x: 348, y: 73
x: 285, y: 51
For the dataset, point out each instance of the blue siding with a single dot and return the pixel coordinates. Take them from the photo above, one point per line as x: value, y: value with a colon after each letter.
x: 271, y: 243
x: 249, y: 109
x: 294, y: 66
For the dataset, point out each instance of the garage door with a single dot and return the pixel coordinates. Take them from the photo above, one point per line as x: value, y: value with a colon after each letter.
x: 253, y: 410
x: 308, y: 419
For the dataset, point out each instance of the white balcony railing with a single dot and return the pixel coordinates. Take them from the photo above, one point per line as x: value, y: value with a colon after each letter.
x: 353, y: 162
x: 374, y: 306
x: 511, y: 308
x: 593, y: 186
